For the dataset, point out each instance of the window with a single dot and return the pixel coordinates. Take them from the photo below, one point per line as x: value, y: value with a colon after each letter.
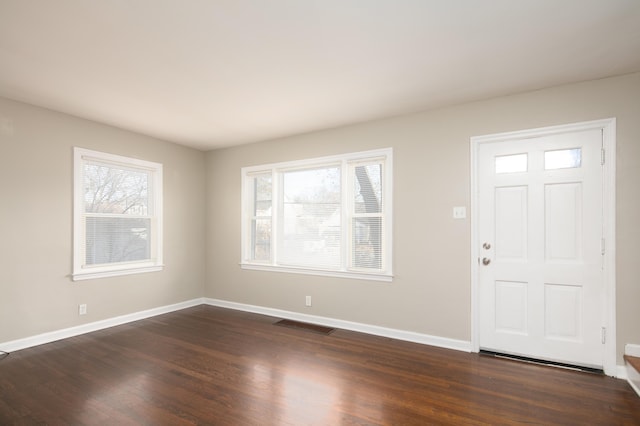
x: 562, y: 159
x: 117, y: 215
x: 327, y: 216
x: 511, y: 163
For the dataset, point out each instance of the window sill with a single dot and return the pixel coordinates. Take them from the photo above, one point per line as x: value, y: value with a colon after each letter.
x: 324, y: 273
x: 90, y: 275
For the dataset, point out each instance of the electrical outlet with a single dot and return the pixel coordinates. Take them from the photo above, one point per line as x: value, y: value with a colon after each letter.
x: 82, y: 309
x: 307, y: 301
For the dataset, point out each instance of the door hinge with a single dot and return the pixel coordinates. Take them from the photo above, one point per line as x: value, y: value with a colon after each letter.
x: 604, y: 335
x: 602, y: 156
x: 602, y: 246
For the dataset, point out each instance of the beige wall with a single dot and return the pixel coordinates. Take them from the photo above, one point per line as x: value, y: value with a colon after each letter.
x: 36, y: 293
x: 431, y: 290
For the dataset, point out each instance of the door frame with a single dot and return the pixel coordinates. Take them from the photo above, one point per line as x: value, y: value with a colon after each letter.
x: 608, y: 127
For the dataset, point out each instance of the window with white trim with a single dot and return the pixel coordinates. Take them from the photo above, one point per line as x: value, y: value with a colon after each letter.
x: 326, y: 216
x: 117, y: 215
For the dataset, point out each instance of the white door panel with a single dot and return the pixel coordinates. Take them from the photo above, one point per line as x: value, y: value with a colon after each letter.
x: 540, y: 284
x: 511, y: 307
x: 511, y: 205
x: 563, y: 221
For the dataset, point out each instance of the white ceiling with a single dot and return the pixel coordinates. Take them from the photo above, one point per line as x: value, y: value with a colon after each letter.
x: 215, y: 73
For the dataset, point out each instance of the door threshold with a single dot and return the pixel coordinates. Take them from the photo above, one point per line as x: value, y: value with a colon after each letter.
x: 542, y: 362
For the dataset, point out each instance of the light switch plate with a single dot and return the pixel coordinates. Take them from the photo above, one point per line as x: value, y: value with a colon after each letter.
x: 459, y: 212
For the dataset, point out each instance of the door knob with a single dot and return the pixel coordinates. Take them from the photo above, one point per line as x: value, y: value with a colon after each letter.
x: 486, y: 261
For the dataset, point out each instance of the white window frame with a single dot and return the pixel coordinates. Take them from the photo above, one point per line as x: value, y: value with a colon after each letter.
x: 347, y: 164
x: 81, y: 271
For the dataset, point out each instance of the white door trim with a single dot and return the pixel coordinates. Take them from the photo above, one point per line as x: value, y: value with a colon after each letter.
x: 608, y: 127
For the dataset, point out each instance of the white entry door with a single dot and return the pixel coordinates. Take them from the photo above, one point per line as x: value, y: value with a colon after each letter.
x: 540, y: 224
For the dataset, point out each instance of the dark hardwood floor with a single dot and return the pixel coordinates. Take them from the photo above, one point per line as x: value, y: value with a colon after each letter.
x: 208, y: 365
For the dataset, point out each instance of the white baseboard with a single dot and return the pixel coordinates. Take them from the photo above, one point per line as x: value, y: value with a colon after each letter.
x: 410, y: 336
x: 621, y: 372
x: 633, y: 378
x: 40, y: 339
x: 633, y: 384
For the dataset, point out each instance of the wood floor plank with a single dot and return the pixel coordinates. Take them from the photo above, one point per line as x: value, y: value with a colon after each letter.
x: 209, y: 365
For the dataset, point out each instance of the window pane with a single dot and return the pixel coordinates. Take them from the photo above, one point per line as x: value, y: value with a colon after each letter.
x: 312, y: 218
x: 108, y: 189
x: 261, y: 221
x: 368, y: 188
x: 367, y: 243
x: 563, y: 159
x: 262, y: 195
x: 261, y: 239
x: 511, y: 163
x: 117, y: 239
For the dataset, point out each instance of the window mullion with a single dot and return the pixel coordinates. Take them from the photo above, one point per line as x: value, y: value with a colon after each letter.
x: 117, y: 215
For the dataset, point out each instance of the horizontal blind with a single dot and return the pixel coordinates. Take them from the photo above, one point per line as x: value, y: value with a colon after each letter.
x: 117, y: 239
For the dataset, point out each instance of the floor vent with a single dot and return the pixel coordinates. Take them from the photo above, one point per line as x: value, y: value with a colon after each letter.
x: 542, y: 362
x: 305, y: 326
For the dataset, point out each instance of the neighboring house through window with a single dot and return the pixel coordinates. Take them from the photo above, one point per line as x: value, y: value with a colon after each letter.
x: 327, y: 216
x: 117, y: 215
